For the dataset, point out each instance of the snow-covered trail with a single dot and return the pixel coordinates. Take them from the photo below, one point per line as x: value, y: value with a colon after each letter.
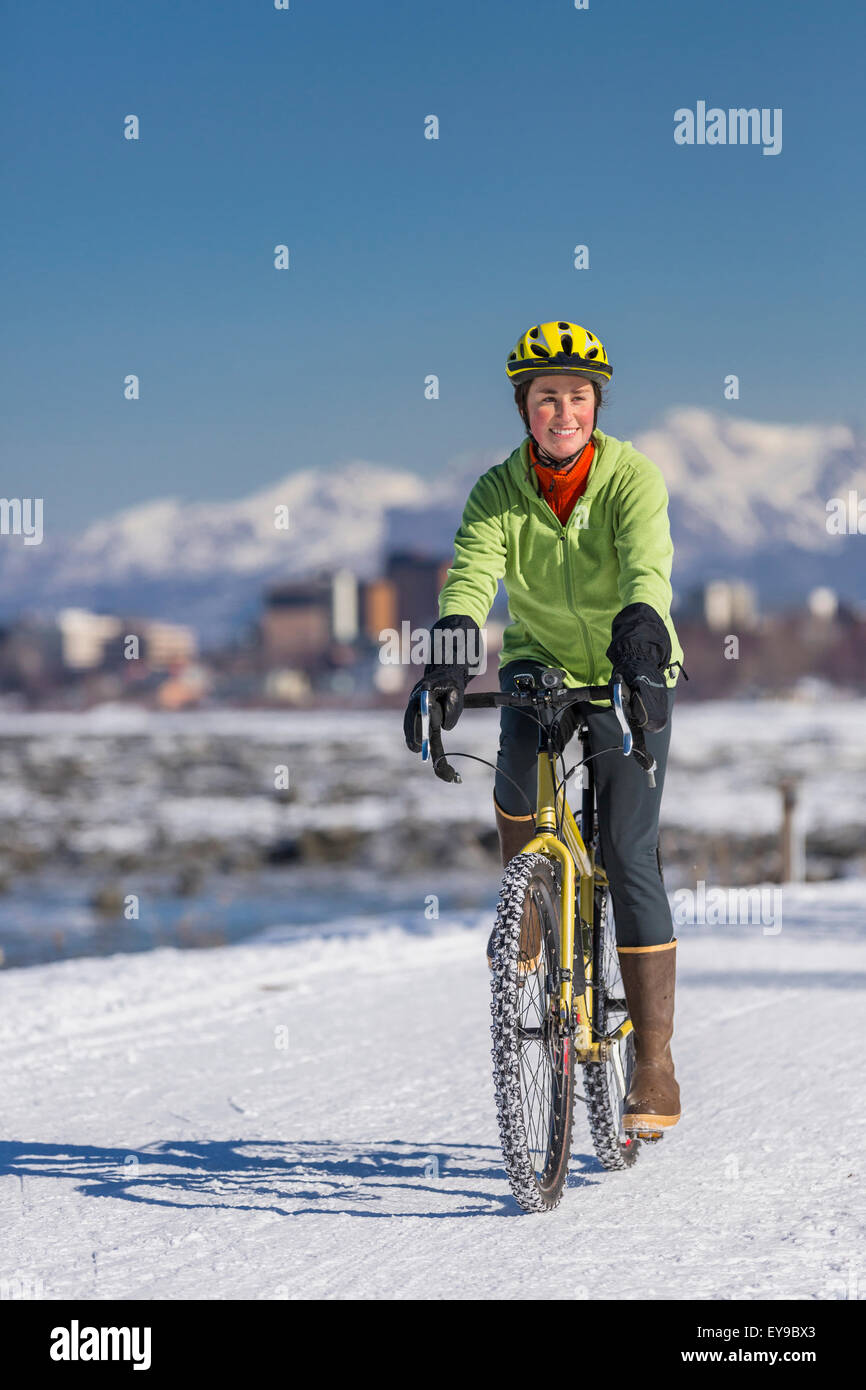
x: 267, y: 1121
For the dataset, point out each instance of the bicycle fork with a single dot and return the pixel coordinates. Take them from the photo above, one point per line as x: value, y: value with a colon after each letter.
x: 571, y: 1006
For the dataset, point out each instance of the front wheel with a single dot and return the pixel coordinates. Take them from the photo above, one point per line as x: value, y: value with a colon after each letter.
x: 533, y: 1064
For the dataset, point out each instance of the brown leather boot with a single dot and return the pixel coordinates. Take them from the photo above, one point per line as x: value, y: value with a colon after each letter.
x: 648, y: 974
x: 514, y: 831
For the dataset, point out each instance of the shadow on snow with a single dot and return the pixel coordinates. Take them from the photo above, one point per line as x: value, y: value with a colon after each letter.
x: 394, y: 1178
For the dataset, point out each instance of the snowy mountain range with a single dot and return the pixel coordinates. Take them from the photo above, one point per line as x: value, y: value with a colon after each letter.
x: 747, y: 500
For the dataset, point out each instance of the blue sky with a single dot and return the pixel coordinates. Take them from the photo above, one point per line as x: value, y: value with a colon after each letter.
x: 408, y: 256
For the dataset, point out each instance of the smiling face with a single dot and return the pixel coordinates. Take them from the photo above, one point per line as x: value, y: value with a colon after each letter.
x: 561, y: 411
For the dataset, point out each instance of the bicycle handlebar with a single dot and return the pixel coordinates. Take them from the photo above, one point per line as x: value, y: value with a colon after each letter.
x: 550, y: 695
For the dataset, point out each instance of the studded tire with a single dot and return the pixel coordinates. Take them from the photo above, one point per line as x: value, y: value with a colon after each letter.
x: 605, y: 1085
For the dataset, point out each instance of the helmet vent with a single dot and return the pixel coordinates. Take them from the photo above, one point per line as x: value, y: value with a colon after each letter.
x: 592, y: 352
x: 533, y: 332
x: 540, y: 351
x: 567, y: 343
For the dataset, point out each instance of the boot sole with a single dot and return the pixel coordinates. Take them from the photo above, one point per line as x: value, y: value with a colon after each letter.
x: 640, y: 1122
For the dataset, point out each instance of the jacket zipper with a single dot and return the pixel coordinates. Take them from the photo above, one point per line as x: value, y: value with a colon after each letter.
x: 584, y: 630
x: 538, y: 498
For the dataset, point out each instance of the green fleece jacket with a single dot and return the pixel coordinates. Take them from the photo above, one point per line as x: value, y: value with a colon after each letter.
x: 565, y: 584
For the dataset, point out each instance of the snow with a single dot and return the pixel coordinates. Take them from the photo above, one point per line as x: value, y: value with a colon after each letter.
x: 304, y: 1119
x: 170, y: 537
x: 727, y: 758
x: 752, y: 482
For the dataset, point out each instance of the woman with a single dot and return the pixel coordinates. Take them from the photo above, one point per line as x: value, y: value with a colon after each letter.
x: 576, y: 524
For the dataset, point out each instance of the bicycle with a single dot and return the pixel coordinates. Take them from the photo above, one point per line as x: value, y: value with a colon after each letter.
x: 558, y: 998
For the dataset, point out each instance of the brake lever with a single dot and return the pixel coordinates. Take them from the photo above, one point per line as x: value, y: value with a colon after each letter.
x: 644, y: 757
x: 431, y: 741
x: 633, y: 740
x: 425, y: 726
x: 627, y: 736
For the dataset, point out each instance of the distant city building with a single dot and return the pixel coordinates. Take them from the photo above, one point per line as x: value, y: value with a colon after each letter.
x: 84, y: 637
x: 296, y: 623
x: 91, y: 641
x: 164, y: 644
x: 344, y: 606
x: 327, y: 625
x: 417, y: 580
x: 307, y: 623
x: 31, y: 654
x: 729, y: 604
x: 378, y: 607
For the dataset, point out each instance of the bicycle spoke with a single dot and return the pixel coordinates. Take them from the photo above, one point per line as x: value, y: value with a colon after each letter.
x: 539, y: 1081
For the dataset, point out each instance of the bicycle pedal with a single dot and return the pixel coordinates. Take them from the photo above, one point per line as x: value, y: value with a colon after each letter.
x: 649, y: 1136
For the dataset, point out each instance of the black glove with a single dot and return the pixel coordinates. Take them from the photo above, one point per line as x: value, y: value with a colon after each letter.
x: 640, y: 651
x: 446, y: 679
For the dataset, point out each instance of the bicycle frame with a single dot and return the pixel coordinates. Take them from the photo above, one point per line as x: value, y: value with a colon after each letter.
x: 579, y: 877
x: 576, y: 1011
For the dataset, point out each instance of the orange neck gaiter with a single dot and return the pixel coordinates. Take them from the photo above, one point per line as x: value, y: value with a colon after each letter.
x: 561, y: 490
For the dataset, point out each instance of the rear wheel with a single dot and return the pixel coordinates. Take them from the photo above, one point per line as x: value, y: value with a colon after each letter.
x: 607, y: 1083
x: 533, y: 1065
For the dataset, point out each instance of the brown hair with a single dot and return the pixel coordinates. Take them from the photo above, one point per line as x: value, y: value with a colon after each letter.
x: 521, y: 391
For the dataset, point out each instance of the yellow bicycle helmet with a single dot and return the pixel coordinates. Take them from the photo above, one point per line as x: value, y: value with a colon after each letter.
x: 558, y: 347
